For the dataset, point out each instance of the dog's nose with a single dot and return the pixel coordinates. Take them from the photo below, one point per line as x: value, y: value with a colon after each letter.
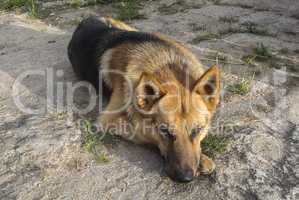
x: 184, y: 175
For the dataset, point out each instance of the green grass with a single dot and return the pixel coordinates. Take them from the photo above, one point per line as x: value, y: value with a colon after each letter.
x: 128, y: 10
x: 76, y: 3
x: 13, y: 4
x: 251, y: 27
x: 33, y: 10
x: 198, y: 27
x: 249, y: 59
x: 247, y: 27
x: 29, y: 6
x: 125, y: 9
x: 228, y: 19
x: 262, y: 52
x: 2, y: 107
x: 241, y: 88
x: 204, y: 36
x: 94, y: 142
x: 213, y: 145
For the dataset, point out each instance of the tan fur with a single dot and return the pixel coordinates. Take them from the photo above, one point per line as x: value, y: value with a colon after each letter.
x: 105, y: 64
x: 117, y: 24
x: 180, y: 101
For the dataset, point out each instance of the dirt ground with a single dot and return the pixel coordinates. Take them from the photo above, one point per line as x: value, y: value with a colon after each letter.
x: 42, y: 156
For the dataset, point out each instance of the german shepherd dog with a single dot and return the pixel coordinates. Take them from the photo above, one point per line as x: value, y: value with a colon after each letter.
x: 154, y: 85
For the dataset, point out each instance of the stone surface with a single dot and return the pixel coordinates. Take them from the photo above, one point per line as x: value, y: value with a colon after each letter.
x: 41, y: 154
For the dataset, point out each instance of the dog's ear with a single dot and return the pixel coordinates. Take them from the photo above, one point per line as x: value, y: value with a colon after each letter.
x: 147, y: 92
x: 208, y: 86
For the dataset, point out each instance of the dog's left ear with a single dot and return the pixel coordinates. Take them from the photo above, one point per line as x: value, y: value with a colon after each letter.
x: 208, y: 86
x: 148, y: 91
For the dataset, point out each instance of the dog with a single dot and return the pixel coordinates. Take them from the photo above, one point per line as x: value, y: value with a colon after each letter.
x: 155, y: 86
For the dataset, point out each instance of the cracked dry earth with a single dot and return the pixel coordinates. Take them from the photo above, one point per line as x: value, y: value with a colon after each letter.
x: 41, y: 155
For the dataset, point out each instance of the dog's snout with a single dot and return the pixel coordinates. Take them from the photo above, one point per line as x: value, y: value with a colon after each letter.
x: 184, y: 175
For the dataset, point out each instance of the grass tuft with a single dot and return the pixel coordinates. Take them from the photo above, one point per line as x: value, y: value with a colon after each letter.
x: 76, y: 3
x: 94, y: 142
x: 262, y: 52
x: 29, y: 6
x: 241, y: 88
x: 214, y: 144
x: 249, y: 59
x: 128, y: 10
x: 33, y: 10
x: 204, y: 36
x: 198, y: 27
x: 13, y: 4
x: 251, y: 27
x: 228, y: 19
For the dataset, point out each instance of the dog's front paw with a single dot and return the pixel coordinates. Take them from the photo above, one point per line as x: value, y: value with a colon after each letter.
x: 207, y: 165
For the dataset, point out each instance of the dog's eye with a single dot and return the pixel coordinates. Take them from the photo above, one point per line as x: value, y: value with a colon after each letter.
x: 195, y: 131
x: 166, y: 132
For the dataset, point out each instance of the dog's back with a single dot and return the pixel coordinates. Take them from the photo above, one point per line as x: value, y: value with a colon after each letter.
x: 82, y: 49
x: 92, y: 39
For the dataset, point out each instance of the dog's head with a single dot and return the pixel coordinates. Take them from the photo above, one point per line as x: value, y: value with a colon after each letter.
x: 180, y: 114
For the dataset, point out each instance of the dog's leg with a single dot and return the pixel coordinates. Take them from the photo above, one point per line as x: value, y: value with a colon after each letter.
x: 116, y: 123
x: 117, y: 24
x: 111, y: 118
x: 207, y: 165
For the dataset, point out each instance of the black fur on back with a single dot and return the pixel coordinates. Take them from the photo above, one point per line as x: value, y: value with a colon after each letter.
x: 89, y: 42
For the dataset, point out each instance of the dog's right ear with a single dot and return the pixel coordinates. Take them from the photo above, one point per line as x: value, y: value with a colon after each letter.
x: 147, y: 92
x: 208, y: 86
